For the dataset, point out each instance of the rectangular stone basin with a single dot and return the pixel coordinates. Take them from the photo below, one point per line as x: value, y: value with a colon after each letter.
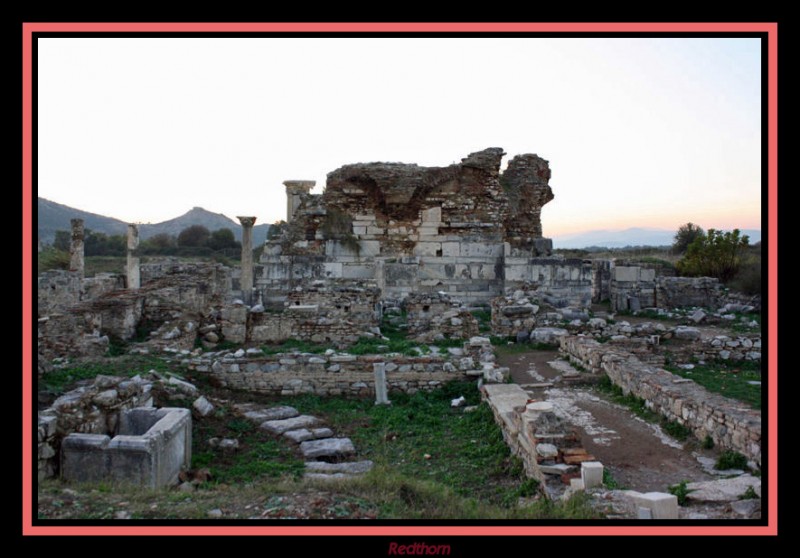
x: 152, y: 447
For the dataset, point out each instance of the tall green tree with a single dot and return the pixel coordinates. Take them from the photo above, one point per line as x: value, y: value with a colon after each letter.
x: 686, y: 234
x: 195, y: 235
x: 715, y: 254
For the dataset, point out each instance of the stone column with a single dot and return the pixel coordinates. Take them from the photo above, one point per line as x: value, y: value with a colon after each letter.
x: 381, y: 395
x: 132, y: 268
x: 247, y: 259
x: 294, y: 190
x: 76, y: 247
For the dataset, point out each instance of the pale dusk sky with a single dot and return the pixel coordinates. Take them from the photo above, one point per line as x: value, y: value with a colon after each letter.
x: 639, y: 132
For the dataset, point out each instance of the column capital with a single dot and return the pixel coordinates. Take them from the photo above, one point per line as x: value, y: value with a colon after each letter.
x: 299, y: 186
x: 247, y: 221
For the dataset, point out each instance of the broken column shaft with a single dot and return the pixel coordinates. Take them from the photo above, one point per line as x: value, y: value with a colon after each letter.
x: 247, y: 258
x: 76, y: 247
x: 132, y: 268
x: 295, y: 189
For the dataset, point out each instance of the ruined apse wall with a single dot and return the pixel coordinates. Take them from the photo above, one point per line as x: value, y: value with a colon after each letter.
x: 412, y: 228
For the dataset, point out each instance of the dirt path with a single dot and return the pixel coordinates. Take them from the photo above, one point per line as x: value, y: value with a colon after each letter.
x: 638, y: 454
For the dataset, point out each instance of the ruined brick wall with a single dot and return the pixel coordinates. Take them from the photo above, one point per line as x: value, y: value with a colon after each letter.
x: 173, y: 289
x: 731, y: 424
x: 90, y: 409
x: 436, y: 315
x: 57, y: 290
x: 338, y: 312
x: 414, y: 229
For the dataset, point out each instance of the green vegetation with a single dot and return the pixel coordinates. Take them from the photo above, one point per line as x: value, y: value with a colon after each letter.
x: 259, y: 455
x: 62, y: 379
x: 50, y: 258
x: 681, y: 491
x: 609, y: 481
x: 466, y: 450
x: 484, y: 318
x: 749, y: 494
x: 730, y: 459
x: 639, y: 408
x: 715, y: 254
x: 685, y: 236
x: 293, y: 345
x: 708, y: 442
x: 727, y: 378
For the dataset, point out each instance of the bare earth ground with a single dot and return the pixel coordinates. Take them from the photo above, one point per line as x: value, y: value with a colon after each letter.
x: 638, y: 455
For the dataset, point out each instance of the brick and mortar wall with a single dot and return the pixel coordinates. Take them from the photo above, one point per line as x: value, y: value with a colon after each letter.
x: 731, y: 424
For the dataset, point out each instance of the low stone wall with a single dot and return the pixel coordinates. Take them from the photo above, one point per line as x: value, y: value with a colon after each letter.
x: 533, y: 432
x: 91, y: 409
x: 337, y: 374
x: 632, y: 288
x: 731, y: 424
x: 679, y: 292
x: 57, y: 290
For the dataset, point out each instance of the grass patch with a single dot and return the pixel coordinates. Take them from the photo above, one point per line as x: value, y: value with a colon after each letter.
x: 60, y: 380
x: 374, y: 346
x: 729, y: 459
x: 609, y: 481
x: 484, y: 318
x: 639, y: 408
x: 294, y: 345
x: 727, y: 378
x: 467, y: 452
x: 681, y: 491
x: 50, y: 258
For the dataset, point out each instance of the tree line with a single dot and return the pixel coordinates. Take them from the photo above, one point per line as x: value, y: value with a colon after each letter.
x: 195, y: 240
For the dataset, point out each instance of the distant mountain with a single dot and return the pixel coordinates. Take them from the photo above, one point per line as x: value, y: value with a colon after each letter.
x: 637, y: 236
x: 55, y: 216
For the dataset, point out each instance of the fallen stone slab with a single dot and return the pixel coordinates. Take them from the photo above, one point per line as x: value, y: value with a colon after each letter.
x: 285, y: 425
x: 348, y: 468
x: 202, y: 406
x: 557, y: 469
x: 261, y: 415
x: 328, y: 447
x: 303, y: 434
x: 723, y: 490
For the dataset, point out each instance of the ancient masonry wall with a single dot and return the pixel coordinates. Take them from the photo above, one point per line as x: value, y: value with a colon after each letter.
x: 634, y: 287
x: 414, y: 229
x: 91, y: 409
x: 533, y: 432
x: 731, y: 424
x: 432, y: 315
x: 292, y: 374
x: 320, y: 312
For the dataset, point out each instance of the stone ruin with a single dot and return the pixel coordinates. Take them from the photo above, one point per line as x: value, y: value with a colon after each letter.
x: 466, y: 229
x: 438, y: 242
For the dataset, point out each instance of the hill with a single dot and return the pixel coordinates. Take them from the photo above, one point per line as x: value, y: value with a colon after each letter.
x: 637, y: 236
x: 54, y: 216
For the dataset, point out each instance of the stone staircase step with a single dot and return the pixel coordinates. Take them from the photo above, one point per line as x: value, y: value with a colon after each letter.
x: 303, y: 434
x: 263, y: 414
x: 295, y: 423
x: 327, y: 447
x: 347, y: 467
